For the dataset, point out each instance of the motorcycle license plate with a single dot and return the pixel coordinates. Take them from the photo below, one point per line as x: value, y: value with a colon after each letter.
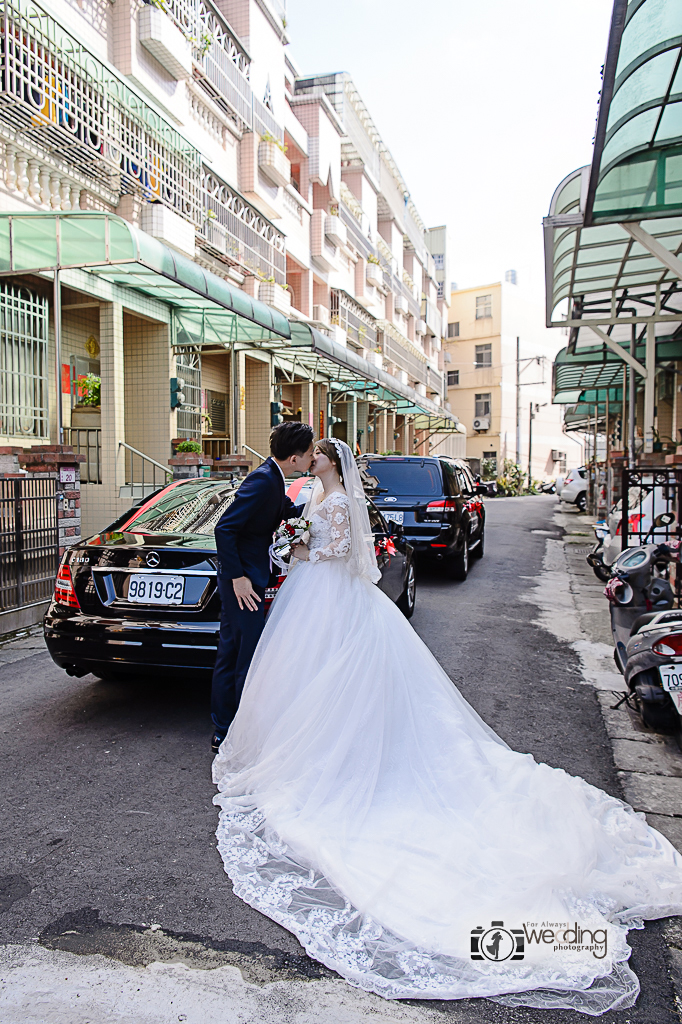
x: 671, y: 678
x: 395, y: 517
x: 145, y: 588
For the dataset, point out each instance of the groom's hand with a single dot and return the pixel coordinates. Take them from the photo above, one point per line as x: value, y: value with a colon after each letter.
x: 245, y: 594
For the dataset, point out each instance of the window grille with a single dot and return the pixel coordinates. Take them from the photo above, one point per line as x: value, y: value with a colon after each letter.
x: 482, y: 405
x: 484, y: 356
x: 188, y: 366
x: 23, y: 363
x: 453, y: 378
x: 453, y: 330
x: 484, y: 306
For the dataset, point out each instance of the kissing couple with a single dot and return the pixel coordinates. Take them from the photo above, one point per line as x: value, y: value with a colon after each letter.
x: 368, y: 809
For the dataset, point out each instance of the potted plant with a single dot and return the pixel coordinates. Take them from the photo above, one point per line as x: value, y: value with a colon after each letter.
x: 87, y: 411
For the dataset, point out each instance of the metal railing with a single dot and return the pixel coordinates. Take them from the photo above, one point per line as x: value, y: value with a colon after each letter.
x: 87, y: 441
x: 143, y: 475
x: 234, y: 229
x: 254, y: 452
x: 29, y: 541
x: 647, y: 492
x: 59, y: 98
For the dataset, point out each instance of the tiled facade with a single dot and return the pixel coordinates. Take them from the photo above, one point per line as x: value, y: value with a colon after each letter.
x: 277, y: 182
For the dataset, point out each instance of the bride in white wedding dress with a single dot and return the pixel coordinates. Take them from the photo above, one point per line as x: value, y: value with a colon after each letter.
x: 368, y: 809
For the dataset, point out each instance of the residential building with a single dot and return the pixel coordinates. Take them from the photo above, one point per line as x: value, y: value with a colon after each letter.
x: 484, y: 326
x: 210, y: 233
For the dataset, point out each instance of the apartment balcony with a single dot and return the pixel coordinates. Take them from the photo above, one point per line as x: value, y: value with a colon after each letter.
x: 359, y: 326
x: 67, y: 112
x: 273, y: 163
x: 355, y: 235
x: 431, y: 314
x: 165, y: 41
x: 322, y: 252
x: 275, y: 295
x: 435, y: 380
x: 235, y: 233
x: 375, y: 275
x: 399, y: 350
x: 335, y: 230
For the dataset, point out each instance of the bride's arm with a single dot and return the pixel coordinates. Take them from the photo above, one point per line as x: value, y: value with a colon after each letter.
x: 339, y: 521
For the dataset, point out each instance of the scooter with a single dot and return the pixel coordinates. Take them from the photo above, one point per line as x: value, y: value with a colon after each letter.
x: 647, y: 631
x: 595, y: 559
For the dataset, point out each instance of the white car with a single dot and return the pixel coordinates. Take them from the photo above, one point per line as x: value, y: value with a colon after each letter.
x: 641, y: 513
x: 574, y: 490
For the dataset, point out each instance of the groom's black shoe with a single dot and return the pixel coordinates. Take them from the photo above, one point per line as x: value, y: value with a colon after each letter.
x: 216, y: 740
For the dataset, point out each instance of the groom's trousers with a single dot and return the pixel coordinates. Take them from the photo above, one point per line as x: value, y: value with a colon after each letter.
x: 240, y: 631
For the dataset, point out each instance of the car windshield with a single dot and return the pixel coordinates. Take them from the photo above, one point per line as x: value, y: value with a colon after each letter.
x: 406, y: 477
x: 187, y: 508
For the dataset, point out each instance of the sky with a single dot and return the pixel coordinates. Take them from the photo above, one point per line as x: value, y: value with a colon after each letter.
x: 485, y: 106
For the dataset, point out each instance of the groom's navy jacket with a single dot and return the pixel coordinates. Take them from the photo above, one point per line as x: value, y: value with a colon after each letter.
x: 244, y: 532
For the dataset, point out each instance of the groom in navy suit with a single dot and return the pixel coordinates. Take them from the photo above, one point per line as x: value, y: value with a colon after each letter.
x: 243, y: 536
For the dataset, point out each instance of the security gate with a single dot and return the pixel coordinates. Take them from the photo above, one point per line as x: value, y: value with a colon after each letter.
x: 29, y: 541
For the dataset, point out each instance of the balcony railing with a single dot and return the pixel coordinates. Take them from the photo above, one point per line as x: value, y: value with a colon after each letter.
x: 237, y: 234
x: 359, y: 326
x: 60, y: 101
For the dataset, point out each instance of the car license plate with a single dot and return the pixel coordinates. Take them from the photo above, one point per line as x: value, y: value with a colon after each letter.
x: 394, y: 517
x: 144, y: 588
x: 671, y: 678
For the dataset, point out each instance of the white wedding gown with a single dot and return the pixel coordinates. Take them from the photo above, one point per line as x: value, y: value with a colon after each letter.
x: 367, y: 808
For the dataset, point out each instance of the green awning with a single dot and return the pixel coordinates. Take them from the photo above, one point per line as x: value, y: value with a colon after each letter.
x: 110, y: 247
x: 591, y: 265
x: 593, y: 367
x: 310, y: 345
x: 637, y: 164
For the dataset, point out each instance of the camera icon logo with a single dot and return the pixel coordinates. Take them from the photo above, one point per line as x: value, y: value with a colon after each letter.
x: 497, y: 943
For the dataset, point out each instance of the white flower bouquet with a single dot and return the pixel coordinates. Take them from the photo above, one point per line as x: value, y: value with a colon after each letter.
x: 294, y: 531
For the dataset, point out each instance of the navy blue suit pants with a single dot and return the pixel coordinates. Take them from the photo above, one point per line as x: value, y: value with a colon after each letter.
x: 240, y: 631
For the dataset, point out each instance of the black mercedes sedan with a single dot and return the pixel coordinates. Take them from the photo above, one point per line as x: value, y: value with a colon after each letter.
x: 142, y: 597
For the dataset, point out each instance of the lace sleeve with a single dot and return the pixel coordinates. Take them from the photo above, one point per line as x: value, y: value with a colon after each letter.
x: 339, y: 530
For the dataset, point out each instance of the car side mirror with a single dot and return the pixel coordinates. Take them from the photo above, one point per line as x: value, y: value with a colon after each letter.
x: 665, y: 519
x: 481, y: 488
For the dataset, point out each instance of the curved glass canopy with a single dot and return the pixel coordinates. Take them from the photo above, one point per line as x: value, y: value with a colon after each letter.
x: 637, y: 165
x: 110, y: 247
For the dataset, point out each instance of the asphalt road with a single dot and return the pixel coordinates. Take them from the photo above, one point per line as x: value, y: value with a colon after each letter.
x: 108, y: 825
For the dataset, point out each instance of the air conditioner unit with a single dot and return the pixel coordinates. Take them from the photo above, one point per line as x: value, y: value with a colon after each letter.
x: 481, y: 423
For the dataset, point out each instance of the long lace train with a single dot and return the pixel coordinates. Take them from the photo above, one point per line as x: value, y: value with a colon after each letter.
x: 367, y: 808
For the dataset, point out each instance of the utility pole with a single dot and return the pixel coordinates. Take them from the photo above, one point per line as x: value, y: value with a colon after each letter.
x: 530, y: 439
x: 518, y: 401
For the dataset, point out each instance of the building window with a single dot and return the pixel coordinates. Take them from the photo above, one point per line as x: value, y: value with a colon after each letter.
x: 453, y: 378
x: 484, y: 306
x: 23, y: 363
x: 482, y: 405
x: 441, y: 290
x: 484, y: 356
x: 453, y: 330
x: 439, y: 260
x: 489, y: 465
x: 188, y: 366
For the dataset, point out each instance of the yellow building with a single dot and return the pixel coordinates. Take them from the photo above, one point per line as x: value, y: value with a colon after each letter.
x: 484, y: 324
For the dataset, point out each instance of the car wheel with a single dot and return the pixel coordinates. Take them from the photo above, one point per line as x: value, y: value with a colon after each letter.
x: 581, y: 501
x: 406, y: 600
x: 457, y: 565
x: 479, y: 550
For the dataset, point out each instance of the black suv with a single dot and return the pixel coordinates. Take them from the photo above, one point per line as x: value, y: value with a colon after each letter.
x: 436, y: 501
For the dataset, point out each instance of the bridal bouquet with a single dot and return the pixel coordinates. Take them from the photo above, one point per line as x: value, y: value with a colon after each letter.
x: 294, y: 531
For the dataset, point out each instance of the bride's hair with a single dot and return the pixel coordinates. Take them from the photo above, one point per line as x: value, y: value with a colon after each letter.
x: 328, y: 448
